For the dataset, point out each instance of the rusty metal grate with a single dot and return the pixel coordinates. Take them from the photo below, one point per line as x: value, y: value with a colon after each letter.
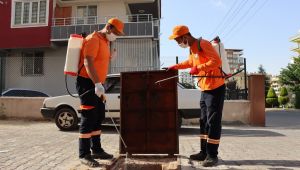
x: 149, y: 113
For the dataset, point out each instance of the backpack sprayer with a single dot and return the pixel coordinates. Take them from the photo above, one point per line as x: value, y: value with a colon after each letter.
x: 219, y: 47
x: 72, y: 58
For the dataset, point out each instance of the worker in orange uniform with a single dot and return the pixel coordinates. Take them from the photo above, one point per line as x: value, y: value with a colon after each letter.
x: 204, y: 61
x: 93, y: 68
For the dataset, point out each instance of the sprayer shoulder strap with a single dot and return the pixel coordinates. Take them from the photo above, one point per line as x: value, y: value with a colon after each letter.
x: 84, y: 40
x: 198, y: 45
x: 200, y: 49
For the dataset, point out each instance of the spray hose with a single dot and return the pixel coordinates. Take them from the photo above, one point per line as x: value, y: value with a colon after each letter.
x: 226, y: 76
x: 123, y: 142
x: 66, y: 82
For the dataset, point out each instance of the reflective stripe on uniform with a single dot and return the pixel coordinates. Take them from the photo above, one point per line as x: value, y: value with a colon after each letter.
x: 95, y: 133
x: 213, y: 141
x: 85, y: 107
x: 203, y: 136
x: 86, y: 135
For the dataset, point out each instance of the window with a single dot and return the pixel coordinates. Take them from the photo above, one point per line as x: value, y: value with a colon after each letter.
x: 29, y: 13
x: 34, y: 16
x: 26, y: 13
x: 112, y: 85
x: 87, y: 14
x: 32, y: 63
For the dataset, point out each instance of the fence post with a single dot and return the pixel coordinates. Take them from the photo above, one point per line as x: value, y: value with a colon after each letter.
x: 257, y: 99
x: 245, y: 77
x: 2, y: 67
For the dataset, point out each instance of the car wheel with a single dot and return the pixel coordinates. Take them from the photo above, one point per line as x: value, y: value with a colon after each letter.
x: 66, y: 119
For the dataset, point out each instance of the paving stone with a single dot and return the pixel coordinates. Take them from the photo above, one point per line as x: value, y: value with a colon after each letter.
x: 40, y: 145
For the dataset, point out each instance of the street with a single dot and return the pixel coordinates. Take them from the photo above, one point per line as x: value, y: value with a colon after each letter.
x: 40, y: 145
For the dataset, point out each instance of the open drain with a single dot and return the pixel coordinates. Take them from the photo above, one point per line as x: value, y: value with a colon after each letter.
x: 145, y: 163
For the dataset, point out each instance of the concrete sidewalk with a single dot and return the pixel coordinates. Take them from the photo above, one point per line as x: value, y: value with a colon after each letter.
x: 249, y: 148
x: 40, y: 145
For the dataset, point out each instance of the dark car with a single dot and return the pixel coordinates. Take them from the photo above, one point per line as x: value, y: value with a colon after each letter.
x: 23, y: 93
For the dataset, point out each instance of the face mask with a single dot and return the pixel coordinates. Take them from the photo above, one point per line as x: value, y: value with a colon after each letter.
x: 111, y: 37
x: 184, y: 45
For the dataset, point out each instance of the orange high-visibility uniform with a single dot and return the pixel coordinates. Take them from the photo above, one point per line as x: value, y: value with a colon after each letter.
x: 96, y: 46
x: 208, y: 63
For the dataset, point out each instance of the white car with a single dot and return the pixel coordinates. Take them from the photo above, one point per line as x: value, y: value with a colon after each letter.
x: 65, y: 110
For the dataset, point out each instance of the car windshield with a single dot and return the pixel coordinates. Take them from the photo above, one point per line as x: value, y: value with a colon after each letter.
x: 112, y: 85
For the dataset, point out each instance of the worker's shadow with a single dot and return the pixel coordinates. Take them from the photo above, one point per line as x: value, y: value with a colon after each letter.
x: 107, y: 129
x: 230, y: 164
x: 237, y: 132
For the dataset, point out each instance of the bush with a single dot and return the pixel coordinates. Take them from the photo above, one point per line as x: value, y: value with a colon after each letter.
x: 272, y: 99
x: 283, y: 98
x: 272, y: 102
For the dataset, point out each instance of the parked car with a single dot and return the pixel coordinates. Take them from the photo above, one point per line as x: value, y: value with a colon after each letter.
x: 15, y: 92
x: 65, y: 110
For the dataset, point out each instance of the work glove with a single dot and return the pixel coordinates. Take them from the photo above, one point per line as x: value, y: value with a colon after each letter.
x: 194, y: 70
x: 174, y: 67
x: 99, y: 89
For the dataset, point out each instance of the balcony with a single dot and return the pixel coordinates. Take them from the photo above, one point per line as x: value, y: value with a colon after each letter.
x: 135, y: 26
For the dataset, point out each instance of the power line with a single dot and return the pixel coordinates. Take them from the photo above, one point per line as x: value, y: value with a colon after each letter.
x: 223, y: 19
x: 247, y: 20
x: 258, y: 9
x: 233, y: 15
x: 241, y: 18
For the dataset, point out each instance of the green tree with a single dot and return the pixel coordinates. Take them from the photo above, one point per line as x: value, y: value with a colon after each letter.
x: 272, y: 98
x: 262, y: 70
x: 283, y: 98
x: 290, y: 75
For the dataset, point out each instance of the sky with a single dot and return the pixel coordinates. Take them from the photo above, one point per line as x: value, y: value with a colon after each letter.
x: 262, y: 28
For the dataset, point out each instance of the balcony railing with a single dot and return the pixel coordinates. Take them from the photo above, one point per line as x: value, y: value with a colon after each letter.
x: 134, y: 26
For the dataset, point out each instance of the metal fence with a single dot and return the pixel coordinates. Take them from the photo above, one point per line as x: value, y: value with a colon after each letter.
x: 134, y: 26
x: 100, y: 20
x: 237, y: 94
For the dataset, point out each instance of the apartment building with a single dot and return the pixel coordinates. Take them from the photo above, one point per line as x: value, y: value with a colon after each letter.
x: 34, y: 36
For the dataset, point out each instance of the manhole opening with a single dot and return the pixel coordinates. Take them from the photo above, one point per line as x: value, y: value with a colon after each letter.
x: 145, y: 163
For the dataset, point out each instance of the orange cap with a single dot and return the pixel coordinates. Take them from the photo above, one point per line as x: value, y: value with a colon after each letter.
x: 178, y: 31
x: 118, y: 24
